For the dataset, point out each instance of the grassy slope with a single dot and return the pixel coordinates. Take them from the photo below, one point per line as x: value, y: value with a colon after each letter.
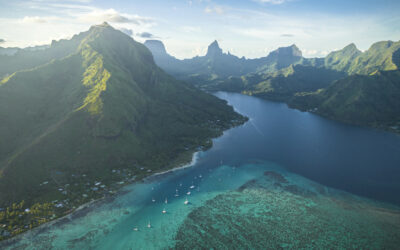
x: 377, y: 57
x: 342, y: 59
x: 366, y: 100
x: 27, y: 59
x: 280, y: 85
x: 105, y: 107
x: 369, y: 96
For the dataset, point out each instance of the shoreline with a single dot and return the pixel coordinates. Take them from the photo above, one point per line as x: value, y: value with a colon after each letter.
x: 377, y: 127
x: 89, y: 206
x: 195, y: 157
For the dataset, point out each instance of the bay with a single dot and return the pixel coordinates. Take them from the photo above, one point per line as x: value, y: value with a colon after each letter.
x: 284, y: 179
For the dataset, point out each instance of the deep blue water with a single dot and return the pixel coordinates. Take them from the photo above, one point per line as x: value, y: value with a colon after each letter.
x: 359, y: 160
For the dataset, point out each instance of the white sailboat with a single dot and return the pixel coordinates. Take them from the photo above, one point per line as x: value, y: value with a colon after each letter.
x: 188, y: 193
x: 186, y: 201
x: 135, y: 229
x: 166, y: 201
x: 153, y: 200
x: 164, y: 211
x: 148, y: 225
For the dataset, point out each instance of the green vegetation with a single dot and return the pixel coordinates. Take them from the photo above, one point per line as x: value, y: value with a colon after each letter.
x: 217, y: 66
x: 378, y: 57
x: 341, y: 60
x: 372, y: 100
x: 347, y: 85
x: 17, y: 218
x: 77, y: 127
x: 281, y: 85
x: 30, y: 58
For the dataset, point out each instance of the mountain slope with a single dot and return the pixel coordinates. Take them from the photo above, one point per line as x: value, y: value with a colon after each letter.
x: 167, y: 62
x: 280, y: 85
x: 309, y: 83
x: 372, y: 100
x: 106, y: 106
x: 378, y: 57
x: 342, y: 59
x: 278, y: 59
x: 27, y: 58
x: 216, y: 65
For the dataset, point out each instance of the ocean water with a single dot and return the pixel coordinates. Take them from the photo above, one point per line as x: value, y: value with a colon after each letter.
x: 285, y: 179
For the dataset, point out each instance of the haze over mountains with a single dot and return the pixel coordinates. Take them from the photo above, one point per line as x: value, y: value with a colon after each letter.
x: 96, y: 103
x: 80, y: 110
x: 216, y: 64
x: 304, y: 83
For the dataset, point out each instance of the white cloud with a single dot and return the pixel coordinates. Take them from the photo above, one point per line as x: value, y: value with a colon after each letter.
x: 145, y: 35
x: 215, y: 9
x: 190, y: 29
x: 111, y: 15
x: 77, y: 1
x: 272, y: 1
x: 129, y: 32
x: 314, y: 53
x: 34, y: 19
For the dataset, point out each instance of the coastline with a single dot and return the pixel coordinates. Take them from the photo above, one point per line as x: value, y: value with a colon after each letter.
x: 89, y: 206
x: 195, y: 157
x: 84, y: 208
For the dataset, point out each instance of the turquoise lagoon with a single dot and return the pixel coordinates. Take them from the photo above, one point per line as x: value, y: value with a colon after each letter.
x: 285, y: 179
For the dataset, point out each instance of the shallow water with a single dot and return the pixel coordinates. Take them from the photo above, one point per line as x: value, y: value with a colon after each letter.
x: 249, y: 192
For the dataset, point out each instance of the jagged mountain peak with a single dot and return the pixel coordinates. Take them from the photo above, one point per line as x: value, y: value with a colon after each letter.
x: 291, y: 50
x: 214, y: 49
x: 351, y: 48
x: 103, y: 98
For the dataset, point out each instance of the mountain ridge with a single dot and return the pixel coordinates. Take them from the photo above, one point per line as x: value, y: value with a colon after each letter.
x: 285, y: 75
x: 106, y: 106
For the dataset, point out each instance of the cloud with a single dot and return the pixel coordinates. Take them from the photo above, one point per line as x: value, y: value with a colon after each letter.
x: 272, y: 1
x: 189, y: 29
x: 314, y: 53
x: 129, y: 32
x: 287, y: 35
x: 34, y: 19
x: 216, y: 9
x: 2, y: 40
x: 76, y: 1
x: 111, y: 15
x: 145, y: 35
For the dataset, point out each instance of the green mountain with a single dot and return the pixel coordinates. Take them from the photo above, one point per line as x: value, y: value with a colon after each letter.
x: 12, y: 60
x: 378, y: 57
x: 342, y: 59
x: 217, y: 65
x: 281, y: 85
x: 371, y: 100
x: 279, y: 59
x: 347, y: 85
x: 105, y: 106
x: 368, y: 96
x: 9, y: 51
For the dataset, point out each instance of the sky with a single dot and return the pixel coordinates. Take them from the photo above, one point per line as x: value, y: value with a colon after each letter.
x: 250, y: 28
